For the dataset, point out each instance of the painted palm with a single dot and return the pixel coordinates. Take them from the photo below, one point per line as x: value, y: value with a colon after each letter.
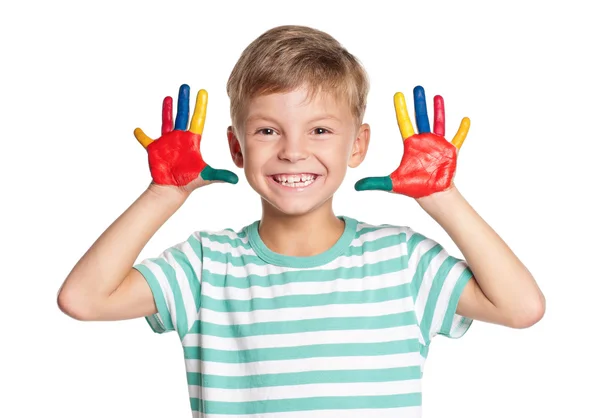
x: 428, y: 164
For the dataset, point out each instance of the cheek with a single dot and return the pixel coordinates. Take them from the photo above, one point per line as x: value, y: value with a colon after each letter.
x: 338, y: 153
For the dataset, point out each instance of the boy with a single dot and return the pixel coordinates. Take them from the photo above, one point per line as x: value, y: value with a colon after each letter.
x: 302, y: 313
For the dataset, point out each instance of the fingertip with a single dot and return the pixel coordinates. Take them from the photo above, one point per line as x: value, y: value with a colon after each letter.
x: 465, y: 124
x: 202, y: 96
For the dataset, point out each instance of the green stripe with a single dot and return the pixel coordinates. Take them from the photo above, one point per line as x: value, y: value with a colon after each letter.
x: 180, y: 312
x: 196, y: 245
x: 155, y: 324
x: 303, y: 301
x: 245, y: 259
x: 159, y: 298
x: 422, y: 267
x: 305, y: 276
x: 434, y: 295
x: 374, y: 228
x: 454, y: 298
x: 304, y: 325
x: 306, y: 404
x: 224, y: 239
x: 304, y: 378
x: 185, y: 264
x: 308, y: 351
x: 238, y: 243
x: 414, y: 240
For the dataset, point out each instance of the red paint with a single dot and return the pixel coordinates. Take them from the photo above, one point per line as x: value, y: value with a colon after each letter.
x: 175, y: 157
x: 439, y: 116
x: 428, y: 165
x: 167, y: 115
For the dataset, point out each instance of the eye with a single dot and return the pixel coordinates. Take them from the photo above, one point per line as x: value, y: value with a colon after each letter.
x: 266, y: 131
x: 321, y: 131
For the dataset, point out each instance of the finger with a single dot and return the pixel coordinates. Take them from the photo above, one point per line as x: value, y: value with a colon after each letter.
x: 142, y: 138
x: 197, y: 125
x: 406, y: 128
x: 460, y: 136
x: 209, y: 173
x: 374, y: 183
x: 421, y: 110
x: 183, y: 108
x: 167, y: 115
x: 439, y: 116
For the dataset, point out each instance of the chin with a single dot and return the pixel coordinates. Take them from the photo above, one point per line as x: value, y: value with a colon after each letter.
x: 298, y: 208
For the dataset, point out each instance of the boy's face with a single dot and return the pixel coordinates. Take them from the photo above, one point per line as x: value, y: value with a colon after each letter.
x: 295, y: 152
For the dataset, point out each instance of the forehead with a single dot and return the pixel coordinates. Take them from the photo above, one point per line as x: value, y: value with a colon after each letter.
x: 297, y: 103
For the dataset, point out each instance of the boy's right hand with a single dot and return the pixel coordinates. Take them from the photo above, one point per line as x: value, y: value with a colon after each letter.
x: 175, y: 158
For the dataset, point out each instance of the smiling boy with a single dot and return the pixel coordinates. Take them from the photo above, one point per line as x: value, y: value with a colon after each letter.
x: 302, y: 313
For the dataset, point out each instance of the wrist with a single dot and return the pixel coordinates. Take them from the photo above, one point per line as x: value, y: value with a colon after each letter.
x: 171, y: 193
x: 439, y: 201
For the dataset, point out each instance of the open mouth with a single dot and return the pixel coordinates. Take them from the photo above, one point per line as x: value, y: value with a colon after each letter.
x: 295, y: 180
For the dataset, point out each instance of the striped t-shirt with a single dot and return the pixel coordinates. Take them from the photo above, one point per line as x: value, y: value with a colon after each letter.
x: 341, y: 334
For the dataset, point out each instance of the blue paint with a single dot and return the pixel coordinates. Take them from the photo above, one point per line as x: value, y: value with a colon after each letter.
x: 421, y: 110
x: 183, y: 108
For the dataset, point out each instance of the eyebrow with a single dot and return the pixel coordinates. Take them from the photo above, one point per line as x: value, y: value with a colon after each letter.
x: 267, y: 118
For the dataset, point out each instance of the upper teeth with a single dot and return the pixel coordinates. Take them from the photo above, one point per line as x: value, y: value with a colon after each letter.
x: 294, y: 178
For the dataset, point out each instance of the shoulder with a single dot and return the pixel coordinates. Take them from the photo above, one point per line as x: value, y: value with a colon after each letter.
x: 226, y: 240
x: 366, y: 232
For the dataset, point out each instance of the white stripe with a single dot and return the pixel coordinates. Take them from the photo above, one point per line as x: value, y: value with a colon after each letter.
x: 441, y: 306
x: 421, y: 248
x: 304, y: 338
x: 193, y: 259
x: 384, y: 254
x: 380, y: 232
x: 305, y: 364
x: 309, y: 312
x: 227, y: 249
x: 184, y: 286
x: 408, y: 412
x: 425, y: 288
x: 383, y: 281
x: 165, y: 287
x: 233, y: 235
x: 309, y: 391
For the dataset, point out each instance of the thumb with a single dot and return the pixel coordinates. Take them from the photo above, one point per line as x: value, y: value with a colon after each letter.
x: 210, y: 174
x: 374, y: 183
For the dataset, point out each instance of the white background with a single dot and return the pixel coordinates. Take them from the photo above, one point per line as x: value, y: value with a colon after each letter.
x: 77, y: 78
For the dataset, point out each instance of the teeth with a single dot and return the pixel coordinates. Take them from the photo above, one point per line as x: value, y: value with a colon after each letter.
x: 295, y: 178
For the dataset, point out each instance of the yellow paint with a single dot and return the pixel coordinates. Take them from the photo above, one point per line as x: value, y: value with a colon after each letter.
x: 142, y: 138
x: 406, y: 128
x: 460, y: 136
x: 197, y: 125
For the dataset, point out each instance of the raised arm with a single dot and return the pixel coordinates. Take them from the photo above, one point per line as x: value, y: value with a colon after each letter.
x: 103, y: 285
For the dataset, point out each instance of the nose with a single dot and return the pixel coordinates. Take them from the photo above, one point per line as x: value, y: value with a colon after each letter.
x: 293, y: 149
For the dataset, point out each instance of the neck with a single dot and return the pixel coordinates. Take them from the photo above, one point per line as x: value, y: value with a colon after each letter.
x: 300, y: 235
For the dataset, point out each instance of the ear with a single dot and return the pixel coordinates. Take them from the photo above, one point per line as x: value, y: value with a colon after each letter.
x: 235, y: 148
x: 360, y: 146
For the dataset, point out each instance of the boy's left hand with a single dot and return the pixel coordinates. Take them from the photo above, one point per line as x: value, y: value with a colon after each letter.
x: 429, y: 161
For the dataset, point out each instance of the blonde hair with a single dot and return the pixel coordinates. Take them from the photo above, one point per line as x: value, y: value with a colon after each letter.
x: 288, y: 57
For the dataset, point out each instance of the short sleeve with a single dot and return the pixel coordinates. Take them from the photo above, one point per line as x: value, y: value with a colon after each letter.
x: 438, y: 280
x: 174, y: 278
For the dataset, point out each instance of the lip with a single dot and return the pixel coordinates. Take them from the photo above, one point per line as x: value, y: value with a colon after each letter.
x: 279, y: 186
